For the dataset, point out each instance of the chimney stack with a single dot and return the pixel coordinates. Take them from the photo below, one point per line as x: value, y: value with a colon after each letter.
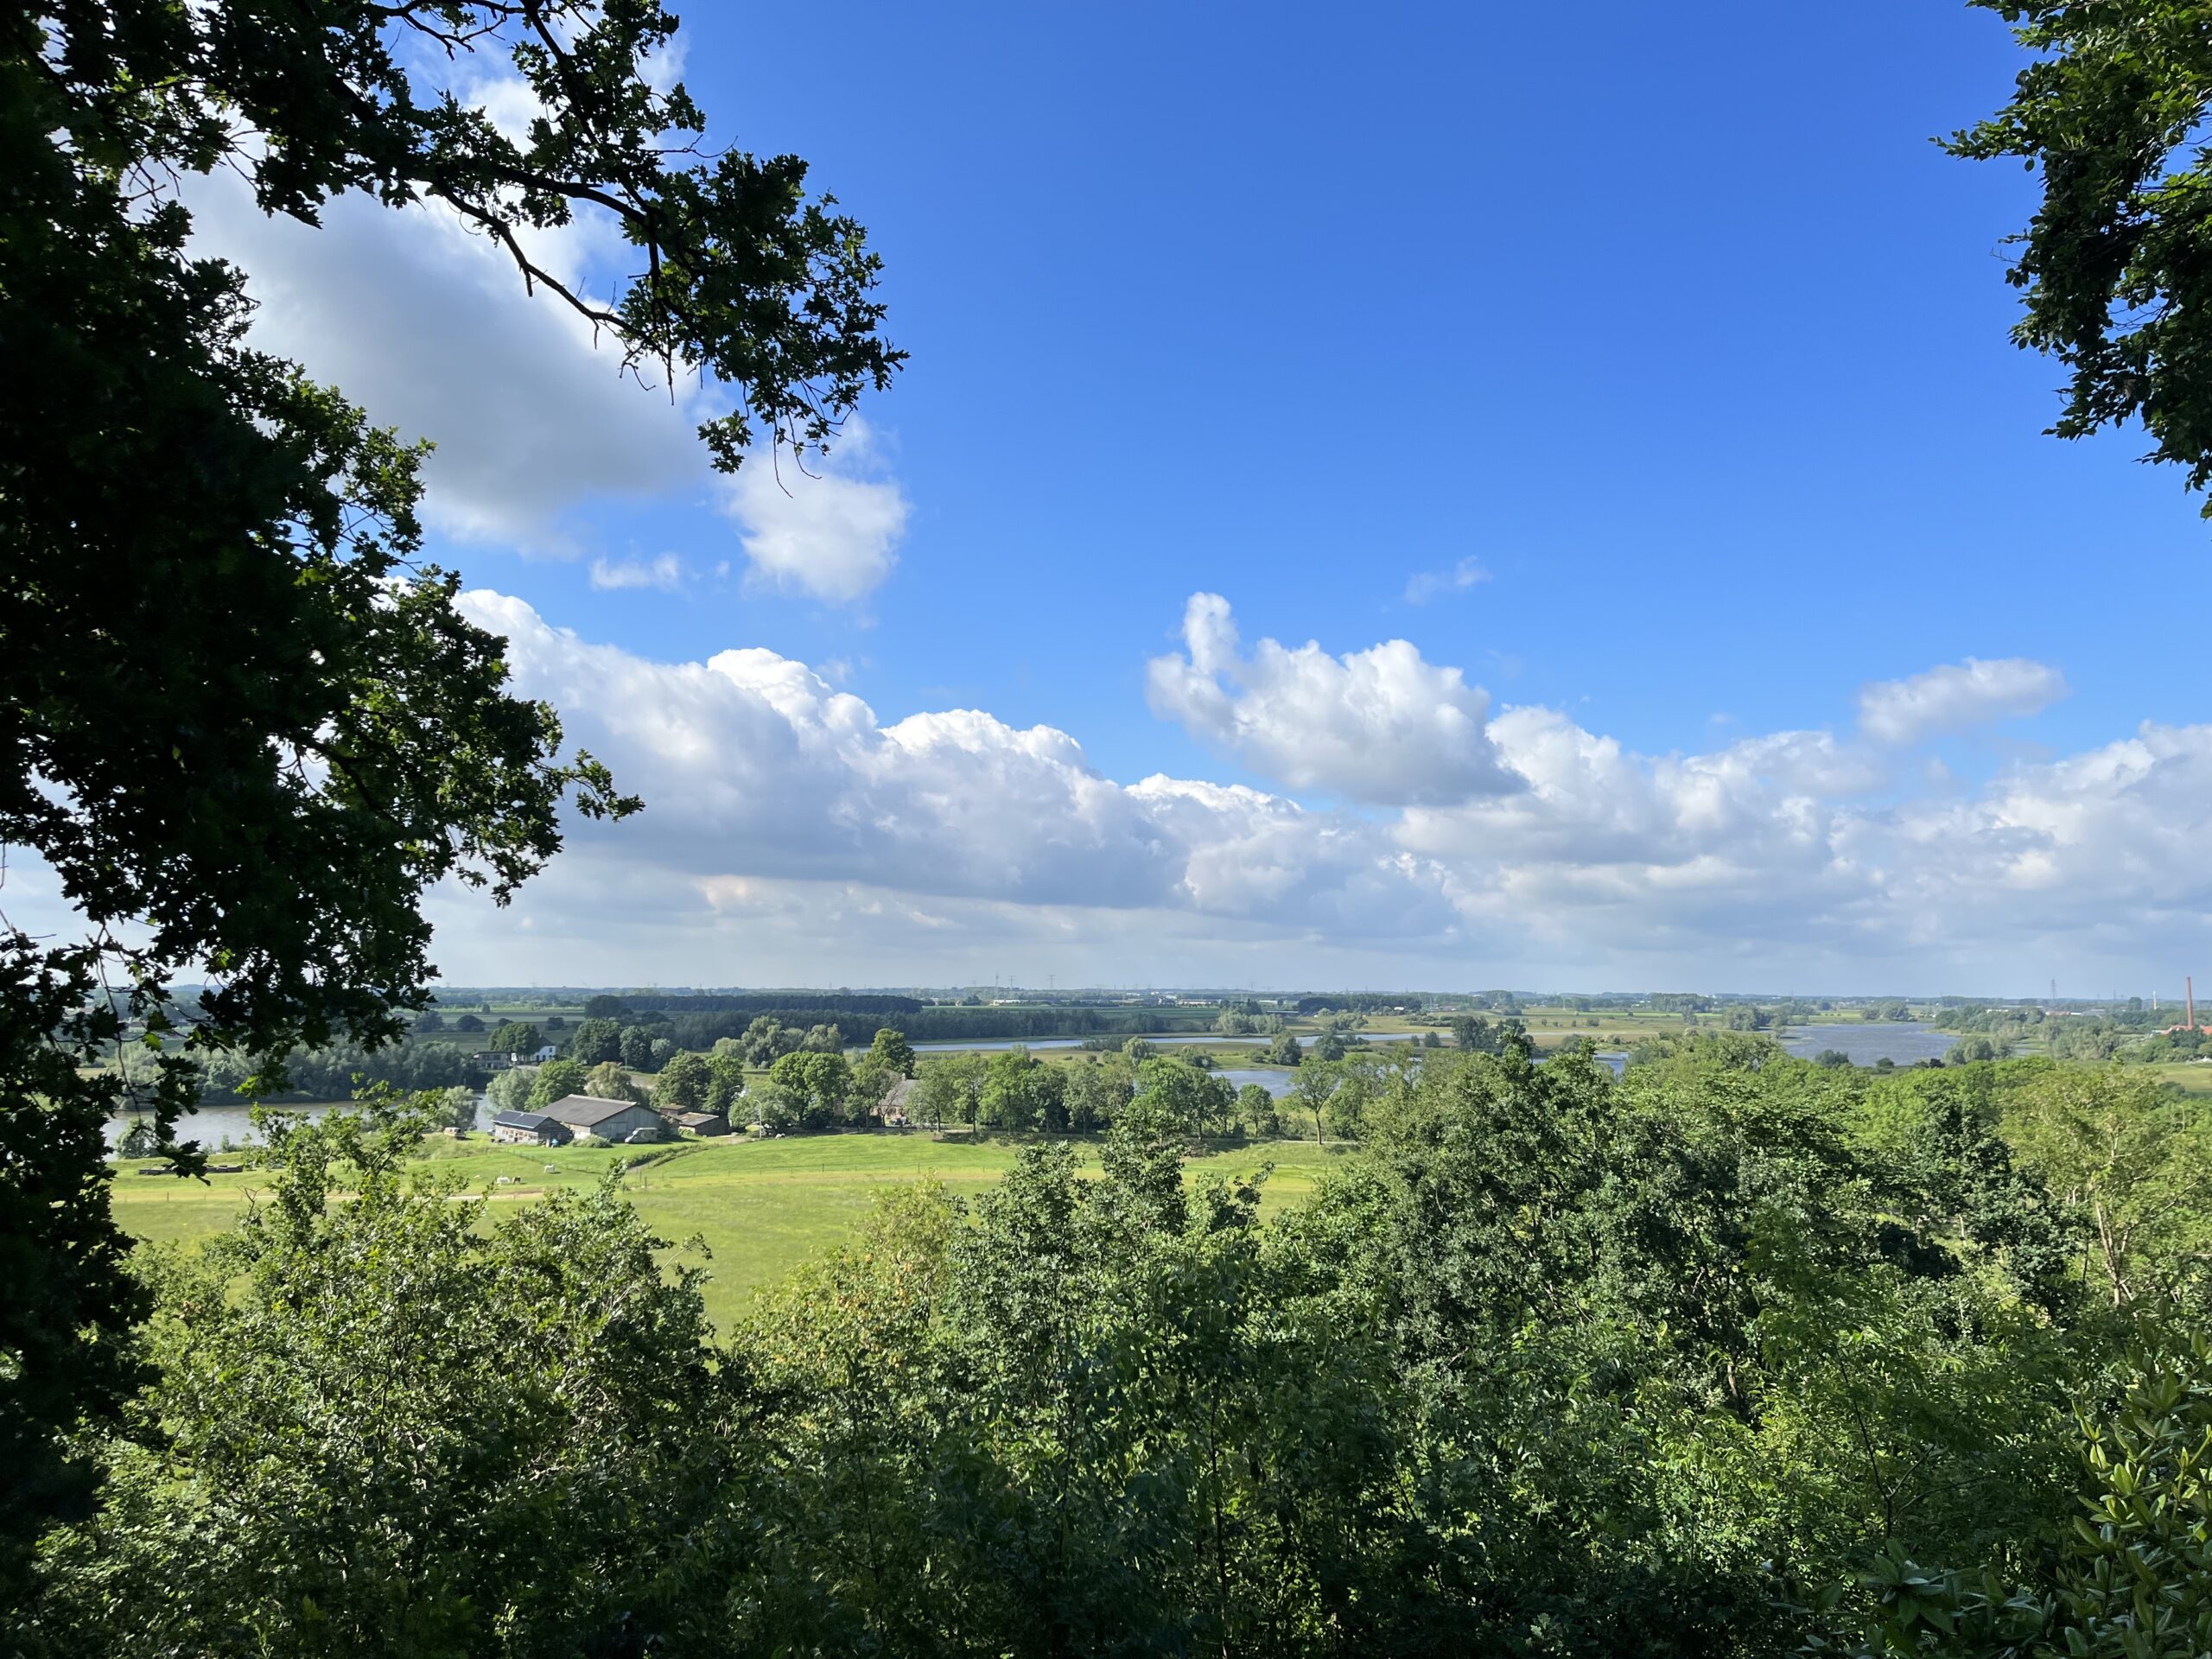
x: 2188, y: 991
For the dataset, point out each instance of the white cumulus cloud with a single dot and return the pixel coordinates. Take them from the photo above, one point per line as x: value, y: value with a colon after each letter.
x: 753, y: 766
x: 665, y: 572
x: 790, y: 832
x: 428, y: 328
x: 1380, y: 726
x: 1956, y: 695
x: 830, y: 529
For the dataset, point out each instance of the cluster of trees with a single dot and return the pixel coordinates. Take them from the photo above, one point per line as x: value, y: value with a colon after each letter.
x: 932, y: 1023
x: 2147, y: 1050
x: 1247, y: 1021
x: 1474, y: 1034
x: 1012, y: 1090
x: 1984, y: 1018
x: 1745, y: 1016
x: 2134, y: 1033
x: 1770, y: 1016
x: 1698, y: 1051
x: 337, y: 1071
x: 816, y: 1088
x: 1968, y: 1050
x: 1737, y: 1355
x: 639, y: 1047
x: 1363, y: 1002
x: 811, y: 1087
x: 515, y: 1036
x: 767, y: 1039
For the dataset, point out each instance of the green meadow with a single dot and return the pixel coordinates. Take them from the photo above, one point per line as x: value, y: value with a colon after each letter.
x: 758, y: 1208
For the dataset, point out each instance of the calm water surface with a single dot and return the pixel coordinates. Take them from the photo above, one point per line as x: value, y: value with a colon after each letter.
x: 1278, y: 1083
x: 211, y: 1125
x: 1900, y: 1043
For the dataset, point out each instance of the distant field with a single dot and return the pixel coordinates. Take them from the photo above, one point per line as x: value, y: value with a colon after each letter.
x: 761, y: 1208
x: 2191, y: 1079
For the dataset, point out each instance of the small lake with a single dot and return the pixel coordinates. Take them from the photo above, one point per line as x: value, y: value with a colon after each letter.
x: 213, y: 1125
x: 1275, y: 1083
x: 1901, y: 1044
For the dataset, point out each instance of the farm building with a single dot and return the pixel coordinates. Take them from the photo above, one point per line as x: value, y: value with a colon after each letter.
x: 546, y: 1052
x: 893, y: 1110
x: 610, y: 1120
x: 530, y: 1129
x: 701, y: 1122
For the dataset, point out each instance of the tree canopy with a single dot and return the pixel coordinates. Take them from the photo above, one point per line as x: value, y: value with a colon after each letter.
x: 1708, y: 1360
x: 2113, y: 269
x: 240, y: 719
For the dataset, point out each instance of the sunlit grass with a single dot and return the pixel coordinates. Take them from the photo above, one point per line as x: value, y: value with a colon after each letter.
x: 760, y: 1208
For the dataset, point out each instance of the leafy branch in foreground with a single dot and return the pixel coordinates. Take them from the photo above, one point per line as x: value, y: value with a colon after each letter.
x: 2116, y: 267
x: 242, y: 725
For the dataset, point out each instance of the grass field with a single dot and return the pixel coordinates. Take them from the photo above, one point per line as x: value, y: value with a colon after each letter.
x: 2189, y: 1079
x: 761, y: 1208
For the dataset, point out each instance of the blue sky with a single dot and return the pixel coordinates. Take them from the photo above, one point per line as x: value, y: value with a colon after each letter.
x: 1657, y: 353
x: 1674, y: 318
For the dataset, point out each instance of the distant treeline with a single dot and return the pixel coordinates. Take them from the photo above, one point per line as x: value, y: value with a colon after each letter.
x: 1363, y: 1002
x: 2132, y: 1015
x: 2131, y: 1032
x: 947, y: 1024
x: 924, y: 1024
x: 331, y: 1073
x: 820, y: 1007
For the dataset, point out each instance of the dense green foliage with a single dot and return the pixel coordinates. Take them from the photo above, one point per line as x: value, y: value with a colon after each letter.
x: 514, y: 1037
x: 1734, y: 1356
x: 2113, y: 269
x: 385, y: 1429
x: 336, y: 1072
x: 267, y: 801
x: 2133, y: 1033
